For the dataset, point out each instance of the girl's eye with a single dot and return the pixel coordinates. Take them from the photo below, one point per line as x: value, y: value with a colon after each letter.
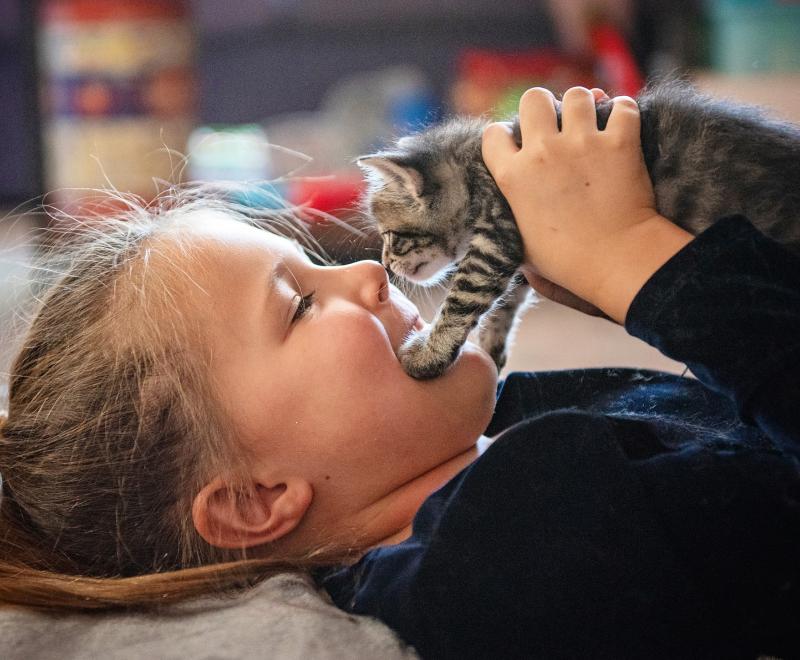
x: 305, y: 304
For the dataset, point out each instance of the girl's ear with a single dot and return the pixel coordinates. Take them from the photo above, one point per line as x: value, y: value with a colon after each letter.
x: 229, y: 518
x: 393, y: 168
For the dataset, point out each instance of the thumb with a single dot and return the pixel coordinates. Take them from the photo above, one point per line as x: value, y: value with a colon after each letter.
x: 497, y: 144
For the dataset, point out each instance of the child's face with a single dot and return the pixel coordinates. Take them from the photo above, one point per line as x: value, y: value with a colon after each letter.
x: 321, y: 393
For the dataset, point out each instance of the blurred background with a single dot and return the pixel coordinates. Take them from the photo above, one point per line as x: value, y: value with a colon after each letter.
x: 135, y: 93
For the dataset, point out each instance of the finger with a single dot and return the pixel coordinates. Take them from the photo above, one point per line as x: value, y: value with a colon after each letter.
x: 624, y: 119
x: 577, y: 111
x: 497, y: 143
x: 537, y: 113
x: 599, y: 94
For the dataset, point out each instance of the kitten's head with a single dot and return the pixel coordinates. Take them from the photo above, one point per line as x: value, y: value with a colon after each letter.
x: 418, y: 198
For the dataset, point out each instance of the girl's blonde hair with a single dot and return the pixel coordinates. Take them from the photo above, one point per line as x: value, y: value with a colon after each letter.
x: 112, y: 426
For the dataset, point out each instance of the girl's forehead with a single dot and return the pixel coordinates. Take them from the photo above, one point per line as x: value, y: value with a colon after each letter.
x: 228, y: 233
x: 213, y: 255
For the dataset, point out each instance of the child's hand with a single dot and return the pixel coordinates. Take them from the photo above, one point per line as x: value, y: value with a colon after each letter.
x: 581, y: 197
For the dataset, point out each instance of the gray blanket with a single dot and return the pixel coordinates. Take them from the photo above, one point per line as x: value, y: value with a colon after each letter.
x: 283, y: 617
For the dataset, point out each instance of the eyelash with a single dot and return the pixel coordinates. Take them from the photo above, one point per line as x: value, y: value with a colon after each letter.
x: 305, y: 304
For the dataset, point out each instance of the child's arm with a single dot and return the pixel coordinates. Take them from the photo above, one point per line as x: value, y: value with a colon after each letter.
x: 582, y: 198
x: 726, y: 303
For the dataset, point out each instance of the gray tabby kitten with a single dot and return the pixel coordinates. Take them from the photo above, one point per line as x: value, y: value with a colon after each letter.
x: 435, y: 204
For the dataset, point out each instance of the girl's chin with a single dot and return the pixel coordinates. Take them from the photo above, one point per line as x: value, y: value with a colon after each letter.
x: 470, y: 348
x: 476, y: 358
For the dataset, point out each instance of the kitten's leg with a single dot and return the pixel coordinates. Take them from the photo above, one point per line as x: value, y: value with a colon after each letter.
x: 482, y: 277
x: 495, y: 327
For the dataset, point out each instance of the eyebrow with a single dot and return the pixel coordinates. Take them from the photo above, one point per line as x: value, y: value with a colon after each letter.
x: 276, y: 273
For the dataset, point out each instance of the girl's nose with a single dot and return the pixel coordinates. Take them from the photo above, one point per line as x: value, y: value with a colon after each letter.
x: 367, y: 281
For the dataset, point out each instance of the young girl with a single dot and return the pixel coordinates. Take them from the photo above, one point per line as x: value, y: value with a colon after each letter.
x: 197, y: 405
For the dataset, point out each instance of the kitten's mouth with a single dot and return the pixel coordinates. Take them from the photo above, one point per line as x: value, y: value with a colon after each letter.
x: 411, y: 273
x: 426, y: 273
x: 408, y: 272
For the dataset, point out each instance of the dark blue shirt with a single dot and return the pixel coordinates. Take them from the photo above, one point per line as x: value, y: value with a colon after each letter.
x: 625, y: 513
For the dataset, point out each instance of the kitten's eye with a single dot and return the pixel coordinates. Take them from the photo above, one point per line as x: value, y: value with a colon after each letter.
x: 302, y: 308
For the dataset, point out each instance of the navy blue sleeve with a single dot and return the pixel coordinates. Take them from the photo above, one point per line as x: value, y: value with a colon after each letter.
x: 728, y: 305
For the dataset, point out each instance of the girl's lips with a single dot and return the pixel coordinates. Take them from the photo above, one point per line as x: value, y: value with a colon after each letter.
x: 412, y: 324
x: 409, y: 319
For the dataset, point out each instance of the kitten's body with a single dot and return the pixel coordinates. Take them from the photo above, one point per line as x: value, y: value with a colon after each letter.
x: 435, y: 204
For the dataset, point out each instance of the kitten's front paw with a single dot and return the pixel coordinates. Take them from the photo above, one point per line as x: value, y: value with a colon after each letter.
x: 421, y: 359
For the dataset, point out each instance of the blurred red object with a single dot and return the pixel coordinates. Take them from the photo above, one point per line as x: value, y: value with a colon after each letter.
x: 489, y: 67
x: 334, y: 195
x: 95, y: 10
x: 616, y: 66
x: 491, y: 81
x: 486, y: 77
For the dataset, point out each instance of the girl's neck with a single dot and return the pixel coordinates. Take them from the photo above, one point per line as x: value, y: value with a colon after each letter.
x: 387, y: 521
x: 394, y: 513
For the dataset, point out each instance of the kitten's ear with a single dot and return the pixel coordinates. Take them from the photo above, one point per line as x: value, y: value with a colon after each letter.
x: 393, y: 168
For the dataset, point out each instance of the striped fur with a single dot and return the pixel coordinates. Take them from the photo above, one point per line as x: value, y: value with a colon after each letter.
x: 435, y: 205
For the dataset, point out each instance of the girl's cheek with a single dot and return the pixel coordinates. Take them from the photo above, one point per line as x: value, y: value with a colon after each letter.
x: 358, y: 335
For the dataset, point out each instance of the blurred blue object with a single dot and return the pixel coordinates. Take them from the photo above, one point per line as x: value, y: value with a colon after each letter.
x: 748, y: 36
x: 259, y: 195
x: 413, y: 110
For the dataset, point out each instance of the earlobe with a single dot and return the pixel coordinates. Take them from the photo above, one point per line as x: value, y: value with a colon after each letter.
x: 228, y: 517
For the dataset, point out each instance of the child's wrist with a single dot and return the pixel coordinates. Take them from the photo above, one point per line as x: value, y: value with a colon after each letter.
x: 627, y: 260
